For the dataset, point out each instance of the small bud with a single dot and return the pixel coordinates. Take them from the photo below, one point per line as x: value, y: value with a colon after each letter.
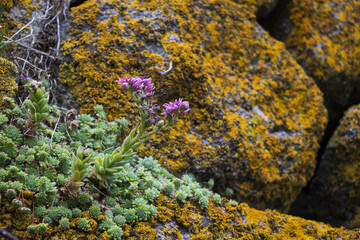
x: 125, y: 86
x: 159, y: 124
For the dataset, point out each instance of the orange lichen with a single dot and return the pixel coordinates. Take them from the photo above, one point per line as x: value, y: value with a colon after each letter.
x: 256, y: 117
x: 325, y: 41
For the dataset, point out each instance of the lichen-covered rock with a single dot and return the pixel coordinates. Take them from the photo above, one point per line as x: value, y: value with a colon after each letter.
x: 335, y: 189
x: 326, y: 43
x: 256, y: 116
x: 8, y: 76
x: 263, y: 7
x: 188, y: 221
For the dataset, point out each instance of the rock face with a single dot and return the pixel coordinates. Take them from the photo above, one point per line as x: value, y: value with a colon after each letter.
x: 256, y: 117
x: 8, y: 76
x: 188, y: 221
x: 335, y: 189
x: 326, y: 43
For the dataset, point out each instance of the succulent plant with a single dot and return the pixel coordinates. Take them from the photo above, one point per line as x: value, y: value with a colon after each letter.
x: 83, y: 224
x: 40, y: 211
x: 3, y: 119
x: 25, y: 210
x: 13, y: 133
x: 217, y: 198
x: 42, y: 228
x: 76, y: 212
x: 94, y: 211
x: 4, y: 186
x: 79, y: 167
x: 115, y: 233
x: 64, y: 223
x: 31, y: 228
x: 169, y: 188
x: 17, y: 203
x: 109, y: 214
x: 110, y: 201
x: 106, y: 224
x: 229, y: 192
x: 130, y: 215
x: 120, y: 220
x: 37, y: 106
x: 10, y: 193
x: 55, y: 165
x: 204, y: 202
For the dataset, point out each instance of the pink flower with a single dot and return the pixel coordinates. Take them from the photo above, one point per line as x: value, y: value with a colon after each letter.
x: 135, y: 83
x: 176, y: 108
x: 143, y: 86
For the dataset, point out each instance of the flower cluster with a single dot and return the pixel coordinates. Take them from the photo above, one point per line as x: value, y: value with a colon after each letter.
x: 144, y: 89
x: 173, y: 110
x: 107, y: 167
x: 140, y: 85
x: 150, y: 109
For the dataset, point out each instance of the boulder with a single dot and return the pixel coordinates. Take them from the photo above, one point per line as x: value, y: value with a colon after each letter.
x: 256, y: 116
x: 188, y: 221
x: 334, y: 192
x: 325, y: 42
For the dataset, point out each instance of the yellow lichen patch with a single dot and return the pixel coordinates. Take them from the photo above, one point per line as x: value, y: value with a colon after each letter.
x: 9, y: 4
x: 8, y: 75
x: 144, y: 231
x: 249, y: 97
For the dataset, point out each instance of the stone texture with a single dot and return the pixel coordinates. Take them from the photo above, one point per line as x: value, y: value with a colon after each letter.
x: 335, y: 188
x: 188, y: 221
x: 256, y: 116
x: 326, y: 43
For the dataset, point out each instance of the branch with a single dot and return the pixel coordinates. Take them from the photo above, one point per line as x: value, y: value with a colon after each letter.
x: 10, y: 39
x: 166, y: 71
x: 29, y: 63
x: 58, y: 35
x: 32, y: 49
x: 7, y: 234
x: 52, y: 135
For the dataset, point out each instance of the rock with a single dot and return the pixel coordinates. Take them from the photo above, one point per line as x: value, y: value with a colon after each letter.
x: 8, y: 76
x: 188, y: 221
x: 326, y: 43
x: 265, y: 7
x: 256, y: 116
x: 278, y: 22
x: 334, y: 192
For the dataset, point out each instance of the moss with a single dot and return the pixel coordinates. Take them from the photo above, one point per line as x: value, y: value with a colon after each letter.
x: 257, y: 118
x: 8, y: 75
